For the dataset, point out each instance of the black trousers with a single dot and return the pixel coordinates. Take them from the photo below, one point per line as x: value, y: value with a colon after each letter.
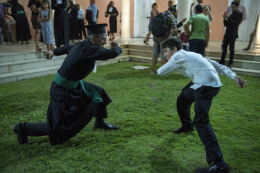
x: 40, y: 129
x: 231, y: 42
x: 202, y: 97
x: 81, y: 29
x: 197, y: 46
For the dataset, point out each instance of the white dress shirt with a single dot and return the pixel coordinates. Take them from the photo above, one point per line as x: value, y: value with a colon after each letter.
x: 81, y: 14
x: 202, y: 71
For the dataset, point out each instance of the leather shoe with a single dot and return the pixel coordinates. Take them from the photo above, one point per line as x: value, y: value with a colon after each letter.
x: 105, y: 125
x: 213, y: 169
x: 230, y: 66
x: 22, y: 139
x: 183, y: 129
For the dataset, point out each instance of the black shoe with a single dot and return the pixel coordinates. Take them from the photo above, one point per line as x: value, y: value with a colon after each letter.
x: 230, y: 66
x: 183, y: 129
x: 105, y: 125
x: 213, y: 169
x: 22, y: 139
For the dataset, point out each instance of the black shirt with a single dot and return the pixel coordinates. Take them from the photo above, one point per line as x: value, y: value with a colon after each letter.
x: 232, y: 24
x: 81, y: 59
x: 37, y: 5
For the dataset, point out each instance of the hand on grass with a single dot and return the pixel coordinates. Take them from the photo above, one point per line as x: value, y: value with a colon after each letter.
x: 240, y: 82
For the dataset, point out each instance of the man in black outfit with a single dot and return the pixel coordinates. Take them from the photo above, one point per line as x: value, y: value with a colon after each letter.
x: 74, y: 102
x: 231, y: 23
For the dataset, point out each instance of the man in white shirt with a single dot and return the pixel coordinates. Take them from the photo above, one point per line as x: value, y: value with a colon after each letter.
x: 204, y: 86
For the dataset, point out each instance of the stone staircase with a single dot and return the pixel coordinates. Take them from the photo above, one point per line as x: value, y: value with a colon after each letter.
x: 16, y: 67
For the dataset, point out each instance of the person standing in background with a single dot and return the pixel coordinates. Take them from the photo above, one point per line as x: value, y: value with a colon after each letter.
x: 112, y: 11
x: 3, y: 14
x: 44, y: 19
x: 92, y: 7
x: 194, y: 6
x: 231, y: 23
x: 23, y: 32
x: 241, y: 8
x: 72, y: 11
x: 185, y: 40
x: 35, y: 6
x: 81, y: 23
x: 154, y: 13
x: 252, y: 35
x: 200, y: 23
x: 170, y: 4
x: 61, y: 26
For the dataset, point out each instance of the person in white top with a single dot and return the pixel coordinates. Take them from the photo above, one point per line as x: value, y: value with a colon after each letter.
x: 204, y: 86
x: 194, y: 6
x: 81, y: 23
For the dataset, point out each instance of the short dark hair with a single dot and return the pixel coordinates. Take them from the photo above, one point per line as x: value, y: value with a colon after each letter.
x: 236, y: 3
x: 154, y: 4
x: 172, y: 8
x: 170, y: 2
x: 9, y: 2
x: 172, y: 42
x: 199, y: 8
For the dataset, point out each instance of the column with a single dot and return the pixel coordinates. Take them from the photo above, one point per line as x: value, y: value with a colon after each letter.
x: 52, y: 23
x: 183, y: 10
x: 125, y: 21
x: 256, y: 47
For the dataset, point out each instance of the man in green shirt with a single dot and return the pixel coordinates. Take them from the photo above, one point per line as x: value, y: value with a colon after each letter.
x: 200, y: 24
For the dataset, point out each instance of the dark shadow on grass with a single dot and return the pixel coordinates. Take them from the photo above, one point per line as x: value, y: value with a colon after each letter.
x: 142, y: 74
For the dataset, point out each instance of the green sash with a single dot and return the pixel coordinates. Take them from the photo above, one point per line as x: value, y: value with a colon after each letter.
x: 88, y: 89
x: 20, y: 12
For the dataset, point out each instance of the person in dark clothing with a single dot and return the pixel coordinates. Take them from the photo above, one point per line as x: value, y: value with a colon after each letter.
x: 23, y: 32
x: 74, y: 102
x: 112, y: 11
x: 180, y: 24
x: 231, y: 23
x: 35, y: 7
x: 81, y: 26
x: 72, y: 11
x: 3, y: 14
x: 61, y: 26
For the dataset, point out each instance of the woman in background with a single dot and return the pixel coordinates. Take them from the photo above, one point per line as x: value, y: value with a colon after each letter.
x: 112, y: 11
x: 35, y: 6
x: 72, y: 11
x: 61, y: 27
x: 81, y: 23
x: 23, y: 32
x: 154, y: 13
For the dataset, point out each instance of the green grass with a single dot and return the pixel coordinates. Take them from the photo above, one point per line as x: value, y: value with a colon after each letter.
x: 144, y: 106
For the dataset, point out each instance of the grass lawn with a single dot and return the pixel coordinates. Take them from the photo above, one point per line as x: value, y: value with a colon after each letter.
x: 144, y: 106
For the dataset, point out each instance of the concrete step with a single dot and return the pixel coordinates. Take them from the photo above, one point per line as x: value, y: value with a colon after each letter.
x: 252, y: 65
x: 15, y: 66
x: 147, y: 49
x: 248, y: 72
x: 20, y: 57
x: 46, y: 70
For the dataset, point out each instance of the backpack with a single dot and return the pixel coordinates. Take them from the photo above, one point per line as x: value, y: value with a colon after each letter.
x: 159, y: 24
x: 89, y: 15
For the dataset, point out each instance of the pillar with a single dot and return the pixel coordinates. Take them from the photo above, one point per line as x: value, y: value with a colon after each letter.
x: 125, y: 21
x: 256, y: 46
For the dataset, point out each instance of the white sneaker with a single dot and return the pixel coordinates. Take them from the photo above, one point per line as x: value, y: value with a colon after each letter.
x: 153, y: 72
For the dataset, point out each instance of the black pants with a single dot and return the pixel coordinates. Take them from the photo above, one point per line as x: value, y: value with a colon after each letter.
x: 197, y: 46
x: 91, y: 23
x: 202, y: 97
x: 40, y: 129
x: 231, y: 42
x: 81, y: 29
x: 2, y: 25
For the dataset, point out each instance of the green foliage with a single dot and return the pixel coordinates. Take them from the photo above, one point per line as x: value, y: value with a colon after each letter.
x: 144, y: 106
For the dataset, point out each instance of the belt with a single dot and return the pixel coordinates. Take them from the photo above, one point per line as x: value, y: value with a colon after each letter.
x: 88, y: 89
x: 20, y: 12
